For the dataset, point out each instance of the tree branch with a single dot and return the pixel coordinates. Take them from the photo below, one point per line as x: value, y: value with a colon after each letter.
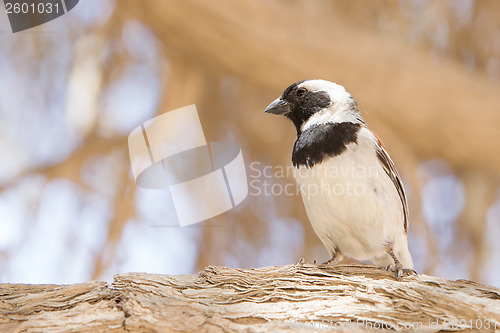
x: 270, y: 299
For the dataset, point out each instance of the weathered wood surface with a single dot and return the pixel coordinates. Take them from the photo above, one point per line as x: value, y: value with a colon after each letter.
x: 271, y: 299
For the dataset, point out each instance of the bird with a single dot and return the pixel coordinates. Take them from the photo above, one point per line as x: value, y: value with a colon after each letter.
x: 352, y: 192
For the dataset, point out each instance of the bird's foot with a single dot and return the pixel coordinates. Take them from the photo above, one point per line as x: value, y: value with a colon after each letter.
x: 336, y: 258
x: 400, y: 271
x: 332, y: 262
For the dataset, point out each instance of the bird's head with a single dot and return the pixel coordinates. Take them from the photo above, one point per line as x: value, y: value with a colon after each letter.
x: 314, y: 102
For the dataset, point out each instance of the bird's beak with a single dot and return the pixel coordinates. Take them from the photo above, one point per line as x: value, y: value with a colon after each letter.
x: 278, y: 106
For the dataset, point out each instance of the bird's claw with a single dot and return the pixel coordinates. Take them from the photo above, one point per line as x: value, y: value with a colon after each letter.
x: 400, y: 271
x: 315, y: 262
x: 303, y: 262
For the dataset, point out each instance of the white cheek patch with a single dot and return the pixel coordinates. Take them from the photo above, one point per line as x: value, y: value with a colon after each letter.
x: 336, y: 113
x: 321, y: 117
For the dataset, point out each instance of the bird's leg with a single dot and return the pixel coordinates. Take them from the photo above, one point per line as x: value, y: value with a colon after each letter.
x: 396, y: 260
x: 336, y: 258
x: 398, y: 267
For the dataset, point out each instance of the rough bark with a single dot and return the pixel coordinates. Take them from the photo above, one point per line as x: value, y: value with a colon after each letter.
x: 270, y: 299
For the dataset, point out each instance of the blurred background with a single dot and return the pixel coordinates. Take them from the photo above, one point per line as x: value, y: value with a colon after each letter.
x: 425, y: 73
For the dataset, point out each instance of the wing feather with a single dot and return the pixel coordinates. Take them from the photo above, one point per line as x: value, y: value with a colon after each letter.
x: 393, y: 174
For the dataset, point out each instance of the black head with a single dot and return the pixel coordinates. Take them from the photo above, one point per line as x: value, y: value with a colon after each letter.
x: 299, y: 102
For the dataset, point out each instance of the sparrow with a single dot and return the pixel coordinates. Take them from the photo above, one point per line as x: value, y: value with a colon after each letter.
x: 352, y: 192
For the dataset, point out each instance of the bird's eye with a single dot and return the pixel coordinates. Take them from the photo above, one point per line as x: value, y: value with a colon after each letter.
x: 301, y: 92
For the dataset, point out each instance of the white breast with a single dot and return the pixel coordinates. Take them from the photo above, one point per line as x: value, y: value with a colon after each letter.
x: 352, y: 204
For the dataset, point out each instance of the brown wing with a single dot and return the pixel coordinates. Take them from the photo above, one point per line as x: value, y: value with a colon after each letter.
x: 392, y: 172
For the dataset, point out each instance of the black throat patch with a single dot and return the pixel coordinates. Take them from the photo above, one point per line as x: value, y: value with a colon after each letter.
x: 319, y: 142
